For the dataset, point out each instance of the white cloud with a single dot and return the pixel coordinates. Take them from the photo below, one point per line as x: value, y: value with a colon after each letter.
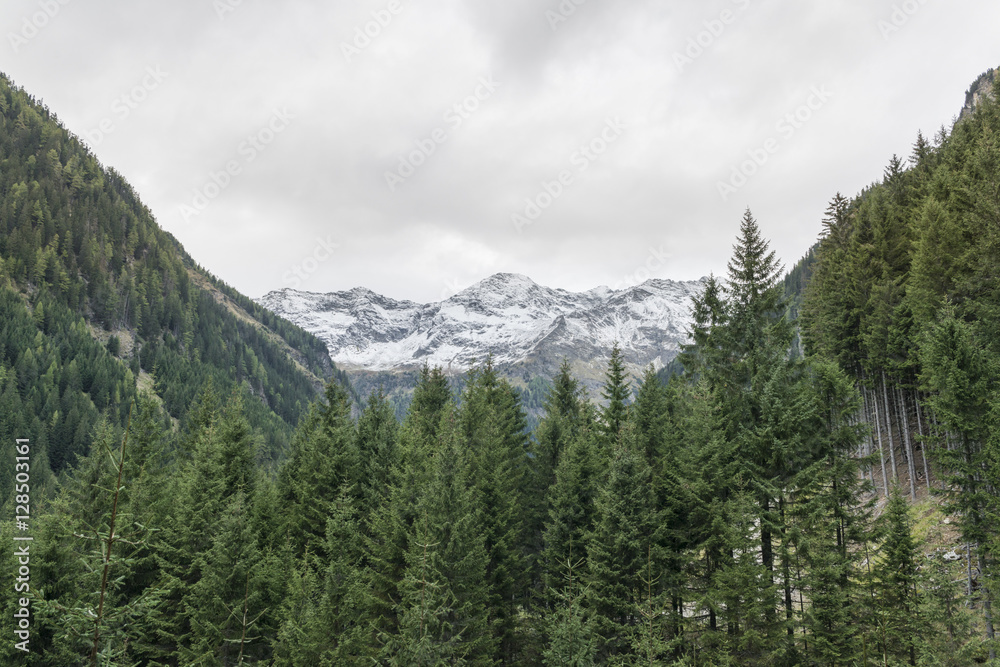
x: 449, y: 224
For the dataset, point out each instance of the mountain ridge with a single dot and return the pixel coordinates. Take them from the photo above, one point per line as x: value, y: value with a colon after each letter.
x: 519, y: 322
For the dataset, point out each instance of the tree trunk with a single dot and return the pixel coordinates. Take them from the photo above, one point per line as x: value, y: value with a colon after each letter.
x: 923, y: 440
x: 785, y: 568
x: 888, y: 429
x: 881, y: 452
x: 868, y: 446
x: 906, y: 439
x: 767, y: 552
x: 987, y: 606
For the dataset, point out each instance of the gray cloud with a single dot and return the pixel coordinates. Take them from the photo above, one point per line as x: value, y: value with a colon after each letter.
x: 353, y: 116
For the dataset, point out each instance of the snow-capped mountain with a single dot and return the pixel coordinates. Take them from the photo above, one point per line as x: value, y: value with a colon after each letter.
x: 520, y: 322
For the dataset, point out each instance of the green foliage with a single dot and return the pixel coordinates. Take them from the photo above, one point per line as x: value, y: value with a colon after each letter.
x: 324, y: 464
x: 446, y: 605
x: 82, y: 253
x: 618, y: 548
x: 616, y: 393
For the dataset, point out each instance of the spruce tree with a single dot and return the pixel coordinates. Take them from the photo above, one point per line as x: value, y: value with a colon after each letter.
x: 378, y: 453
x: 561, y: 423
x: 324, y: 463
x: 960, y: 373
x: 616, y: 392
x: 708, y: 309
x: 224, y: 605
x: 618, y: 548
x: 444, y: 609
x: 221, y: 469
x: 571, y: 513
x: 572, y: 641
x: 494, y: 430
x: 386, y: 542
x: 895, y: 579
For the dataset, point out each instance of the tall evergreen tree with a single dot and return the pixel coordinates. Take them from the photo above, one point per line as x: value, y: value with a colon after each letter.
x: 324, y: 463
x: 494, y: 429
x: 572, y: 513
x: 899, y: 622
x: 378, y: 455
x: 445, y: 617
x: 616, y: 392
x: 618, y: 549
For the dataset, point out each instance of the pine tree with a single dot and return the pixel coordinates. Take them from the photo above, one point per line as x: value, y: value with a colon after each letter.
x: 390, y: 525
x: 324, y: 463
x: 895, y: 580
x: 572, y: 641
x: 572, y: 513
x: 378, y: 455
x: 618, y: 548
x: 493, y: 427
x: 444, y: 614
x: 616, y: 392
x: 561, y: 424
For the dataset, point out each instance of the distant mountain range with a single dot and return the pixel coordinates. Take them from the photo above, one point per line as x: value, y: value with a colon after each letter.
x: 527, y: 327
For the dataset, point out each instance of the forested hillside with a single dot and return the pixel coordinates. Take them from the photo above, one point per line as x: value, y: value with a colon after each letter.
x: 96, y: 299
x: 904, y: 297
x: 720, y: 519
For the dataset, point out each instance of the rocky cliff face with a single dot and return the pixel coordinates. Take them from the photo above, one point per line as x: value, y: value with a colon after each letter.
x: 983, y: 86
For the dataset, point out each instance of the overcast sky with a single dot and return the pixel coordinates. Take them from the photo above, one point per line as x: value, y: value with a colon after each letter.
x: 285, y: 147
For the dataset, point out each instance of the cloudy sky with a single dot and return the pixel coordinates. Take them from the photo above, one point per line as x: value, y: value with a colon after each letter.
x: 418, y: 147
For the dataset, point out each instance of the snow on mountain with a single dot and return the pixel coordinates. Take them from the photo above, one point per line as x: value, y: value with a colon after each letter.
x: 507, y: 314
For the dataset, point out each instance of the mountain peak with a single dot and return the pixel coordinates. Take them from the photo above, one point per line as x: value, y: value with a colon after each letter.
x: 506, y: 280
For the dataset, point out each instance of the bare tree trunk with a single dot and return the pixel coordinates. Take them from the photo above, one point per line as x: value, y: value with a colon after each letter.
x: 987, y: 606
x: 923, y: 440
x: 901, y: 400
x: 888, y: 428
x: 868, y: 444
x: 881, y: 453
x: 937, y: 434
x: 968, y: 568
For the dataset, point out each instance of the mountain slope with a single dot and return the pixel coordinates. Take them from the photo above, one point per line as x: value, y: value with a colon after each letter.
x: 97, y: 298
x: 523, y: 324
